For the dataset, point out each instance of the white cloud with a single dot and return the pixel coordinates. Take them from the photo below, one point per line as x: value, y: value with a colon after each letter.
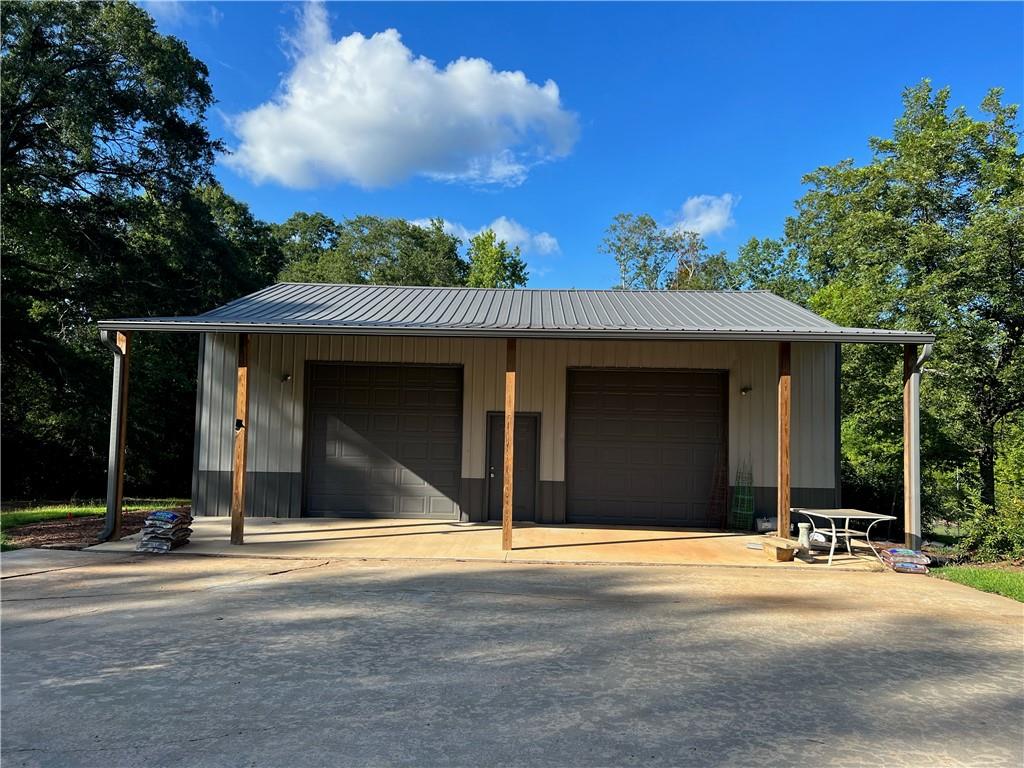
x: 178, y: 13
x: 170, y: 12
x: 367, y: 111
x: 538, y: 271
x: 509, y: 230
x: 706, y: 214
x: 514, y: 233
x: 545, y: 243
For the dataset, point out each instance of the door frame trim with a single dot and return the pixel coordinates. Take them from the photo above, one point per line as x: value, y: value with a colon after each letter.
x: 307, y: 414
x: 536, y: 415
x: 727, y: 392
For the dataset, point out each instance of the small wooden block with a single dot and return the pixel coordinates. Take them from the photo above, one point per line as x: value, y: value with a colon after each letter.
x: 779, y: 550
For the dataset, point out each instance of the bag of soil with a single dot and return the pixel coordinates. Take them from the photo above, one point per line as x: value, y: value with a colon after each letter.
x: 164, y: 530
x: 900, y: 555
x: 909, y: 568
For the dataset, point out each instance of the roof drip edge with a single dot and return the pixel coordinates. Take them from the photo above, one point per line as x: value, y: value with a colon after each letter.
x: 203, y: 325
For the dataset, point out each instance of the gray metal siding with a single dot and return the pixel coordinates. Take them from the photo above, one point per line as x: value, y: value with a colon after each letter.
x: 278, y: 364
x: 218, y: 398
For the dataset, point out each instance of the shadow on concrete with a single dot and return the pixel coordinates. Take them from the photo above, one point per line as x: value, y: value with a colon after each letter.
x: 615, y: 541
x: 302, y: 531
x: 505, y: 665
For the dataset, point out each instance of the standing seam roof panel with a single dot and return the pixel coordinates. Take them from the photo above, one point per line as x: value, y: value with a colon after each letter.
x: 613, y: 305
x: 426, y: 309
x: 662, y: 318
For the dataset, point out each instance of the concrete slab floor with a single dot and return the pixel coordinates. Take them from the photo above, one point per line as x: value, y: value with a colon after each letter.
x: 334, y: 538
x: 204, y: 661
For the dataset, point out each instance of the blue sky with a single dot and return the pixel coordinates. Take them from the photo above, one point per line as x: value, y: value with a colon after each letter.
x: 614, y: 108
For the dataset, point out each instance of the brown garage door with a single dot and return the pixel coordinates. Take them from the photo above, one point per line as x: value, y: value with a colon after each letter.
x: 383, y: 441
x: 642, y: 447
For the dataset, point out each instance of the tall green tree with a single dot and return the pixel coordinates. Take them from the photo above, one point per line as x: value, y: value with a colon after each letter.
x: 770, y: 265
x: 492, y: 264
x: 928, y: 234
x: 696, y: 267
x: 635, y: 242
x: 369, y: 249
x: 652, y: 257
x: 108, y: 210
x: 309, y: 242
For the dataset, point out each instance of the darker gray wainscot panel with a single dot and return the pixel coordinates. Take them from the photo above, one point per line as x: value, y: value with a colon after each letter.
x: 267, y: 494
x: 551, y: 501
x: 765, y: 498
x: 473, y: 500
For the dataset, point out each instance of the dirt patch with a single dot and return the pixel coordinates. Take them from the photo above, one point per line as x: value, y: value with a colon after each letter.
x: 73, y: 533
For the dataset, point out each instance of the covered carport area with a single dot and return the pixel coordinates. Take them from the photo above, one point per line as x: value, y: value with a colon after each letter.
x: 568, y: 358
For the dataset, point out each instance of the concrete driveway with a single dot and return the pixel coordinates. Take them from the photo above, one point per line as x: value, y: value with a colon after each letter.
x: 113, y: 660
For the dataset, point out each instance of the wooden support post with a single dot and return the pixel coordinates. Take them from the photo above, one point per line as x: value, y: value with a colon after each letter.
x: 510, y: 430
x: 119, y: 342
x: 911, y: 449
x: 785, y: 388
x: 241, y: 442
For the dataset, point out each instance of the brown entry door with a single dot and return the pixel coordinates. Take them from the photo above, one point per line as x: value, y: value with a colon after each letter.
x: 645, y: 447
x: 524, y: 455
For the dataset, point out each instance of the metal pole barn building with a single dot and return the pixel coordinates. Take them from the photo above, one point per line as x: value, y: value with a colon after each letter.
x: 552, y: 406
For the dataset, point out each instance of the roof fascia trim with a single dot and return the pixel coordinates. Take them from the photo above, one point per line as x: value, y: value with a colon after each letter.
x: 858, y: 335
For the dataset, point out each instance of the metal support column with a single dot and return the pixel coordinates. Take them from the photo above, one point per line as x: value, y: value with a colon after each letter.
x: 119, y: 343
x: 912, y: 443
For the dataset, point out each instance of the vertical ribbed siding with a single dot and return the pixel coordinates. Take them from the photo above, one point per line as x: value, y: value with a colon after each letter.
x: 215, y: 402
x: 814, y: 404
x: 278, y: 386
x: 198, y: 422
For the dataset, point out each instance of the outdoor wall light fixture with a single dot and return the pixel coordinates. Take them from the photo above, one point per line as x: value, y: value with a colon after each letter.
x: 745, y: 390
x: 285, y: 378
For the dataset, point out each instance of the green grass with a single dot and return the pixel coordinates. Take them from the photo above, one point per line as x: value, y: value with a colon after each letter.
x: 1001, y: 581
x: 947, y: 535
x: 14, y: 518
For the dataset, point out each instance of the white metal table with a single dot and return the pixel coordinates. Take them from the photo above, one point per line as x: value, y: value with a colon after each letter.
x: 844, y: 531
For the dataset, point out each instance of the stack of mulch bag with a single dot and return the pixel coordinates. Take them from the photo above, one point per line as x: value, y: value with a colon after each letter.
x: 164, y: 530
x: 906, y: 560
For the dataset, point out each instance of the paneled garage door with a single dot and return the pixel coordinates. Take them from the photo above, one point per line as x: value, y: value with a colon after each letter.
x: 643, y: 447
x: 383, y: 441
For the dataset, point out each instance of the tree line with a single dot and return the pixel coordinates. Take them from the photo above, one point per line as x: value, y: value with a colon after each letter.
x: 110, y: 208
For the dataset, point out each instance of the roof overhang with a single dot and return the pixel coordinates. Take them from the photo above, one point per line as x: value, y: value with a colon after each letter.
x: 835, y: 335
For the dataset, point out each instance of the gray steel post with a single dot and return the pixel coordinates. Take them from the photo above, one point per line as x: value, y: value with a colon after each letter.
x: 914, y: 479
x: 118, y: 344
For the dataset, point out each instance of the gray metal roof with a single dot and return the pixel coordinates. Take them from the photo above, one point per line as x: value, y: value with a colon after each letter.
x: 399, y: 310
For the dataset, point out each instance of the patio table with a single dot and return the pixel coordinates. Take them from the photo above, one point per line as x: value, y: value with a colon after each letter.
x: 845, y: 532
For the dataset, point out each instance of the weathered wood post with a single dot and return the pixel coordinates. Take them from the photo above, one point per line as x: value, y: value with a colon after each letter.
x: 783, y: 501
x: 510, y: 430
x: 241, y: 442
